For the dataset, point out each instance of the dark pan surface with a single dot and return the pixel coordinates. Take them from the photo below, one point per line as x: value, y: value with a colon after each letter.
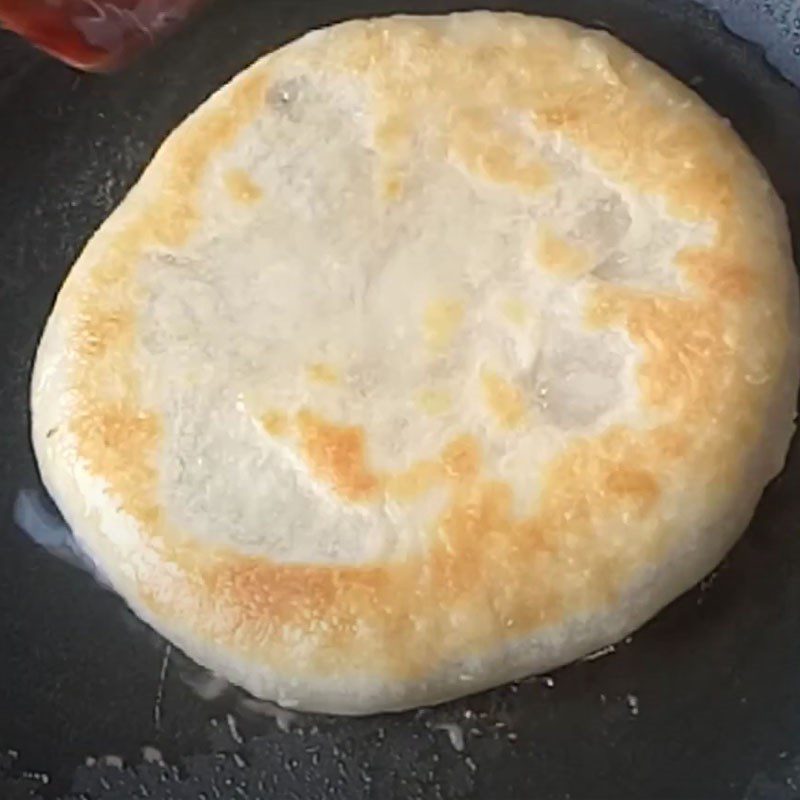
x: 703, y: 703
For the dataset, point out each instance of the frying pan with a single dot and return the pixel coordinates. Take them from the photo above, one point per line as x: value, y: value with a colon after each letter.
x: 704, y: 702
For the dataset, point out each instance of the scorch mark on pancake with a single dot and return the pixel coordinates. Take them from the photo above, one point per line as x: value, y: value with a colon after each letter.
x: 562, y: 258
x: 506, y: 401
x: 337, y: 454
x: 441, y: 322
x: 320, y: 372
x: 241, y: 187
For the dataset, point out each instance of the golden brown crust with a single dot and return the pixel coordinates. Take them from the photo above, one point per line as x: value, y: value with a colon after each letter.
x: 485, y: 564
x: 241, y: 188
x: 560, y: 257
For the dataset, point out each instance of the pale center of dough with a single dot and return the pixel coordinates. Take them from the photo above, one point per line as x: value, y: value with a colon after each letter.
x: 342, y: 319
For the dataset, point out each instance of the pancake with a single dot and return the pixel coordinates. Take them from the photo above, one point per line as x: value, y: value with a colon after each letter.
x: 427, y: 354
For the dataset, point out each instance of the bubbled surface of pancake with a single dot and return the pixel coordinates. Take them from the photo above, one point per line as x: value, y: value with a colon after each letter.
x: 427, y: 353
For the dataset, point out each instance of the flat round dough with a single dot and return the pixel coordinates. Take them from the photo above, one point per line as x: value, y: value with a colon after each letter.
x: 427, y: 354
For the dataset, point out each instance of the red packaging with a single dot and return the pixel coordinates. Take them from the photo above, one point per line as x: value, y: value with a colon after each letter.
x: 93, y: 34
